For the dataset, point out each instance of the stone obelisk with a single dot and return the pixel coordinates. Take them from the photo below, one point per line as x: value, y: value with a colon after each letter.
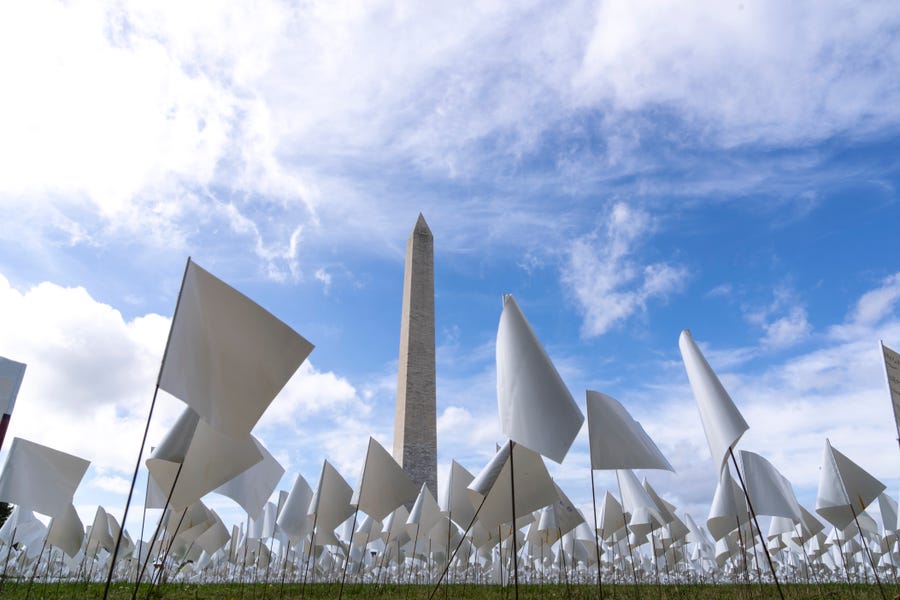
x: 415, y: 424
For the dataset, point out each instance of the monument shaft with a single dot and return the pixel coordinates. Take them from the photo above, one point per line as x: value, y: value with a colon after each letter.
x: 415, y: 424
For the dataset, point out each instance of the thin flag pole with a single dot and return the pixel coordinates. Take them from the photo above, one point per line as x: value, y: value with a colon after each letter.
x: 137, y: 466
x: 512, y: 495
x: 893, y: 387
x: 349, y: 547
x: 458, y: 546
x: 596, y: 535
x: 137, y: 583
x: 865, y: 545
x: 756, y: 522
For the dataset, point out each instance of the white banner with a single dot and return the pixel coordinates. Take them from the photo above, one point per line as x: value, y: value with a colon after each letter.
x: 892, y: 368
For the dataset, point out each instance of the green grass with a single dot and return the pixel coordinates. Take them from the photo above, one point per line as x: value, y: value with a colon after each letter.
x: 66, y: 591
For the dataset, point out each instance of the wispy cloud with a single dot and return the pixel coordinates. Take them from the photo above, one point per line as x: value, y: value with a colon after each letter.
x: 605, y: 274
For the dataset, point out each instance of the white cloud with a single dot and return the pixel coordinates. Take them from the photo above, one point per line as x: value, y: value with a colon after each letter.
x: 310, y: 394
x: 784, y: 320
x: 606, y: 277
x: 89, y: 371
x: 325, y: 278
x: 787, y: 330
x: 116, y: 485
x: 877, y: 304
x: 749, y: 72
x: 132, y: 118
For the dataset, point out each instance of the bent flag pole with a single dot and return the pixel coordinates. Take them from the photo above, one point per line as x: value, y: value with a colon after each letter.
x: 11, y: 375
x: 892, y: 371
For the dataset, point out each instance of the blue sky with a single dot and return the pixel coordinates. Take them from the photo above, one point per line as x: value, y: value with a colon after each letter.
x: 625, y: 169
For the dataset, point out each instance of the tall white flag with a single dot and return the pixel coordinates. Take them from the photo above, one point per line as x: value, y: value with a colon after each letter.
x: 40, y: 478
x: 892, y: 370
x: 536, y: 408
x: 11, y: 375
x: 722, y: 421
x: 227, y: 357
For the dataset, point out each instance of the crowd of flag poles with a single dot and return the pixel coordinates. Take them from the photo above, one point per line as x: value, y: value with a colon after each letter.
x: 227, y: 358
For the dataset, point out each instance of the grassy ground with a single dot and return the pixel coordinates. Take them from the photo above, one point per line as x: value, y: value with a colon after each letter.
x: 18, y: 591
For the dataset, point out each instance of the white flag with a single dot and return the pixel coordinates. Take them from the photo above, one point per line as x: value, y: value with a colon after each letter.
x: 456, y: 498
x: 253, y: 487
x: 534, y: 487
x: 66, y: 532
x: 383, y: 484
x: 892, y: 370
x: 770, y: 492
x: 536, y: 408
x: 227, y: 357
x: 644, y: 515
x: 424, y: 515
x: 722, y: 422
x: 292, y: 519
x: 330, y: 505
x: 728, y: 508
x: 11, y: 375
x: 40, y: 478
x: 618, y: 441
x: 845, y: 488
x: 207, y: 458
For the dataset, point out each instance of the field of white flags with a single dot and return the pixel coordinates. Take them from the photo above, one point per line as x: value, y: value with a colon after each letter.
x: 504, y: 530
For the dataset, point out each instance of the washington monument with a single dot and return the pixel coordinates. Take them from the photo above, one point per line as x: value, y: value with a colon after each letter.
x: 415, y: 424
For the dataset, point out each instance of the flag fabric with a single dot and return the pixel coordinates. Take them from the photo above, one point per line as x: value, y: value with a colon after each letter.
x: 292, y: 519
x: 11, y: 375
x: 892, y: 371
x: 66, y: 532
x: 457, y: 502
x: 887, y: 506
x: 227, y: 357
x: 536, y: 408
x: 395, y: 526
x: 616, y: 440
x: 252, y: 487
x: 728, y: 508
x: 330, y: 504
x: 643, y: 513
x: 770, y: 492
x: 566, y: 515
x: 215, y: 536
x: 383, y: 484
x: 534, y: 487
x: 610, y: 517
x: 40, y: 478
x: 208, y: 459
x: 722, y: 421
x: 424, y: 515
x: 845, y: 488
x: 99, y: 536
